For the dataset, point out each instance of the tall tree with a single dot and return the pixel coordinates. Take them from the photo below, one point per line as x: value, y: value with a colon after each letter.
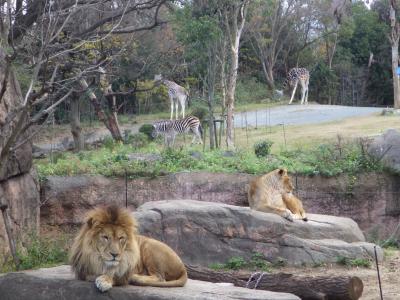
x: 269, y: 30
x: 233, y: 15
x: 394, y: 41
x: 42, y: 37
x: 197, y: 28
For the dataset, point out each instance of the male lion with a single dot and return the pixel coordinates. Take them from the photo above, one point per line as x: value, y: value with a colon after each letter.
x: 109, y: 251
x: 272, y: 193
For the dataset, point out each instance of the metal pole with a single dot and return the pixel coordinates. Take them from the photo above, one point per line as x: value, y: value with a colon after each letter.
x: 284, y: 134
x: 256, y: 119
x: 377, y: 269
x: 247, y: 134
x: 126, y: 188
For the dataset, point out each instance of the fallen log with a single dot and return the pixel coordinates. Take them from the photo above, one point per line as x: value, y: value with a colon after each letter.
x: 305, y: 287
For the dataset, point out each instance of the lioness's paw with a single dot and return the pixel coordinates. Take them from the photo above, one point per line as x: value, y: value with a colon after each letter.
x: 103, y: 283
x: 289, y: 216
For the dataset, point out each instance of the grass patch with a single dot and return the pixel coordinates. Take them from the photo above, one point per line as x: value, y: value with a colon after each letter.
x: 256, y: 262
x: 112, y: 160
x: 357, y: 262
x: 38, y: 252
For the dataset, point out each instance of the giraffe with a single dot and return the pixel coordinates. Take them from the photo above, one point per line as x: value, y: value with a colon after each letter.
x: 295, y: 76
x: 176, y: 93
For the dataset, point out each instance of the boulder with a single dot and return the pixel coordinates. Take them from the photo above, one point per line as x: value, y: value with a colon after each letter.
x: 59, y: 283
x: 386, y: 148
x: 204, y: 233
x: 145, y: 157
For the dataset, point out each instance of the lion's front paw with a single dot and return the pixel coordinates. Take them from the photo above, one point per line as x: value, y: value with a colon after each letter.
x: 103, y: 283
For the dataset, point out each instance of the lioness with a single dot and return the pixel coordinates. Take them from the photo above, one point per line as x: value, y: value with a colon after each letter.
x: 109, y: 251
x: 272, y: 193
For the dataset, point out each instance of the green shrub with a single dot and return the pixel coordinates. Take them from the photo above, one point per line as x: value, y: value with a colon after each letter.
x: 147, y: 129
x: 199, y: 111
x: 109, y: 142
x: 263, y: 148
x: 356, y: 262
x: 257, y: 262
x: 252, y: 90
x: 41, y: 252
x: 235, y: 263
x: 139, y: 140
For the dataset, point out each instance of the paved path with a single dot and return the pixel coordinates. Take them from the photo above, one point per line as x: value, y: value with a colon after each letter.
x: 301, y: 114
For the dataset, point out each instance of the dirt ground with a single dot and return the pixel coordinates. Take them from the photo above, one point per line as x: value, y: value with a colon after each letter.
x: 389, y: 271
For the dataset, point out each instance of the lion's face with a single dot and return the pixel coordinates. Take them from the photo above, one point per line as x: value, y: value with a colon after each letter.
x: 106, y: 244
x: 111, y: 243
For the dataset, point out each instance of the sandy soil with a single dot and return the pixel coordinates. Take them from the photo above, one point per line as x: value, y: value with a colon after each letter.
x: 389, y: 271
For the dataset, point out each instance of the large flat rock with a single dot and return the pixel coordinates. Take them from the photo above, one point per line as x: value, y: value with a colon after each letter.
x: 204, y: 233
x: 59, y: 284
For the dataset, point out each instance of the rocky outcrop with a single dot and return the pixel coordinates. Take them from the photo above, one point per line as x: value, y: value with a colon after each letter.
x: 66, y: 199
x: 22, y: 194
x: 204, y: 233
x: 18, y: 188
x: 372, y: 199
x: 386, y: 148
x: 59, y: 283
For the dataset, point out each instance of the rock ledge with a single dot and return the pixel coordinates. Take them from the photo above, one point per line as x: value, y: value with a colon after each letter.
x: 59, y: 283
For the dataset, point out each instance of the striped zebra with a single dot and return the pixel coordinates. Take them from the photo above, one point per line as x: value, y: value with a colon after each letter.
x: 170, y: 128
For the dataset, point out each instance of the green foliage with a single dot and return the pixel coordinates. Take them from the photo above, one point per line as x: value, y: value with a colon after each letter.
x: 256, y: 262
x: 111, y: 160
x: 139, y: 140
x: 263, y: 148
x: 109, y: 142
x: 390, y: 243
x: 324, y: 82
x: 147, y: 129
x: 235, y: 263
x: 200, y: 111
x: 356, y: 262
x: 40, y: 252
x: 250, y: 89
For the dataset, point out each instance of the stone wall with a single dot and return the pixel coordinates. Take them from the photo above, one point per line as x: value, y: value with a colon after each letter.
x: 372, y: 200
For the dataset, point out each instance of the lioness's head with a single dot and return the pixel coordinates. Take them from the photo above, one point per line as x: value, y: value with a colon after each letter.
x: 286, y: 181
x: 106, y: 241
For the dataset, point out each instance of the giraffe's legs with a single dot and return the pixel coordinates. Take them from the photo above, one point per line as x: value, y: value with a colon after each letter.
x: 172, y: 106
x: 294, y: 92
x: 176, y: 109
x: 307, y: 82
x: 303, y: 90
x: 183, y: 102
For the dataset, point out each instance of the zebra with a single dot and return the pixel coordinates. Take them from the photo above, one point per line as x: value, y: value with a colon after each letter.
x: 170, y: 128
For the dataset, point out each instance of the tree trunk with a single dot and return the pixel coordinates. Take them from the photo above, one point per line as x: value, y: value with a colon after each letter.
x: 109, y: 120
x: 394, y: 41
x: 268, y: 74
x: 7, y: 225
x: 305, y: 287
x: 75, y: 121
x: 395, y: 59
x: 234, y: 26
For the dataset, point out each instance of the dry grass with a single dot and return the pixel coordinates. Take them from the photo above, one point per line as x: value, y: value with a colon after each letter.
x: 308, y: 135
